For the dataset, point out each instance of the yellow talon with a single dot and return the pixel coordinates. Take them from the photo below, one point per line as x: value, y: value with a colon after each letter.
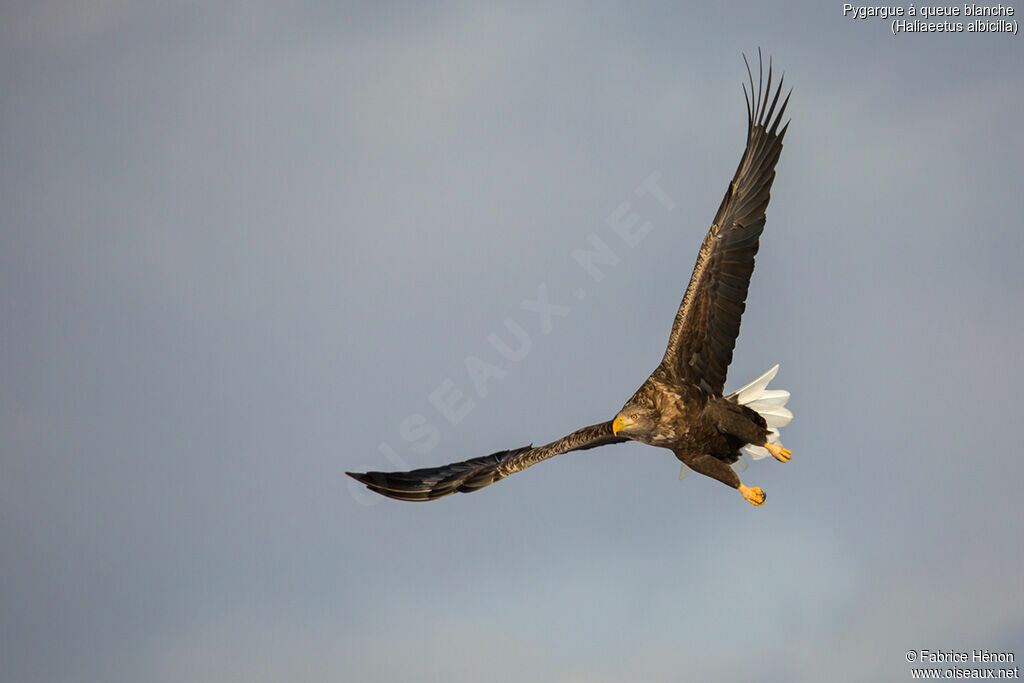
x: 753, y: 494
x: 781, y: 454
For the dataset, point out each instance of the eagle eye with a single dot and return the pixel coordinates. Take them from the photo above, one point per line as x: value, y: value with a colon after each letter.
x: 634, y: 416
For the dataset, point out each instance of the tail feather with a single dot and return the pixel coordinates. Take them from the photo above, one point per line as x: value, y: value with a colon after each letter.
x: 775, y: 417
x: 770, y: 404
x: 755, y: 389
x: 776, y: 398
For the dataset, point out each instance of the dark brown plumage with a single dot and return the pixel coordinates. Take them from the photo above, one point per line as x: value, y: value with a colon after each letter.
x: 680, y: 406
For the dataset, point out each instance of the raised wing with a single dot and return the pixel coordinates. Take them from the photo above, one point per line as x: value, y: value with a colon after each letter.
x: 435, y: 482
x: 708, y: 321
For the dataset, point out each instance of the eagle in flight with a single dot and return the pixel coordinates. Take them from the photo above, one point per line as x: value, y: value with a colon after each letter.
x: 681, y: 405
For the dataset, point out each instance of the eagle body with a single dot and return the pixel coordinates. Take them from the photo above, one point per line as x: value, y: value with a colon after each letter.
x: 681, y: 406
x: 693, y: 424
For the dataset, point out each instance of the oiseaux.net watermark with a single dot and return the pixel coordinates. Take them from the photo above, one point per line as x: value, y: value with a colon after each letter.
x: 980, y: 664
x: 452, y: 400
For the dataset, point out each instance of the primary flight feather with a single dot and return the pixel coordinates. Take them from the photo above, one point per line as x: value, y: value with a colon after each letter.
x: 681, y: 405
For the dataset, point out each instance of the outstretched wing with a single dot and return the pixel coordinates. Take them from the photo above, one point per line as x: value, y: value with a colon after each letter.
x: 435, y: 482
x: 708, y: 321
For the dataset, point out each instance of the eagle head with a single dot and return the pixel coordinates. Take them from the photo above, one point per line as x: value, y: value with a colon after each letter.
x: 634, y: 421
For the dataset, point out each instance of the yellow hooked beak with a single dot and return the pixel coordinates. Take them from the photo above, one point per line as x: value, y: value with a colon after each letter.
x: 621, y: 422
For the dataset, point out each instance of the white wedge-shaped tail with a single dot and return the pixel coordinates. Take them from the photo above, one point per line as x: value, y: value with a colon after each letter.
x: 771, y: 405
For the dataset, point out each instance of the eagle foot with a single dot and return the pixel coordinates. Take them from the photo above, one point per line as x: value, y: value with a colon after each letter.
x: 779, y: 453
x: 753, y: 494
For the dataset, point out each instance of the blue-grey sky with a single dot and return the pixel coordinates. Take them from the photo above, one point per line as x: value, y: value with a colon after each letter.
x: 242, y: 245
